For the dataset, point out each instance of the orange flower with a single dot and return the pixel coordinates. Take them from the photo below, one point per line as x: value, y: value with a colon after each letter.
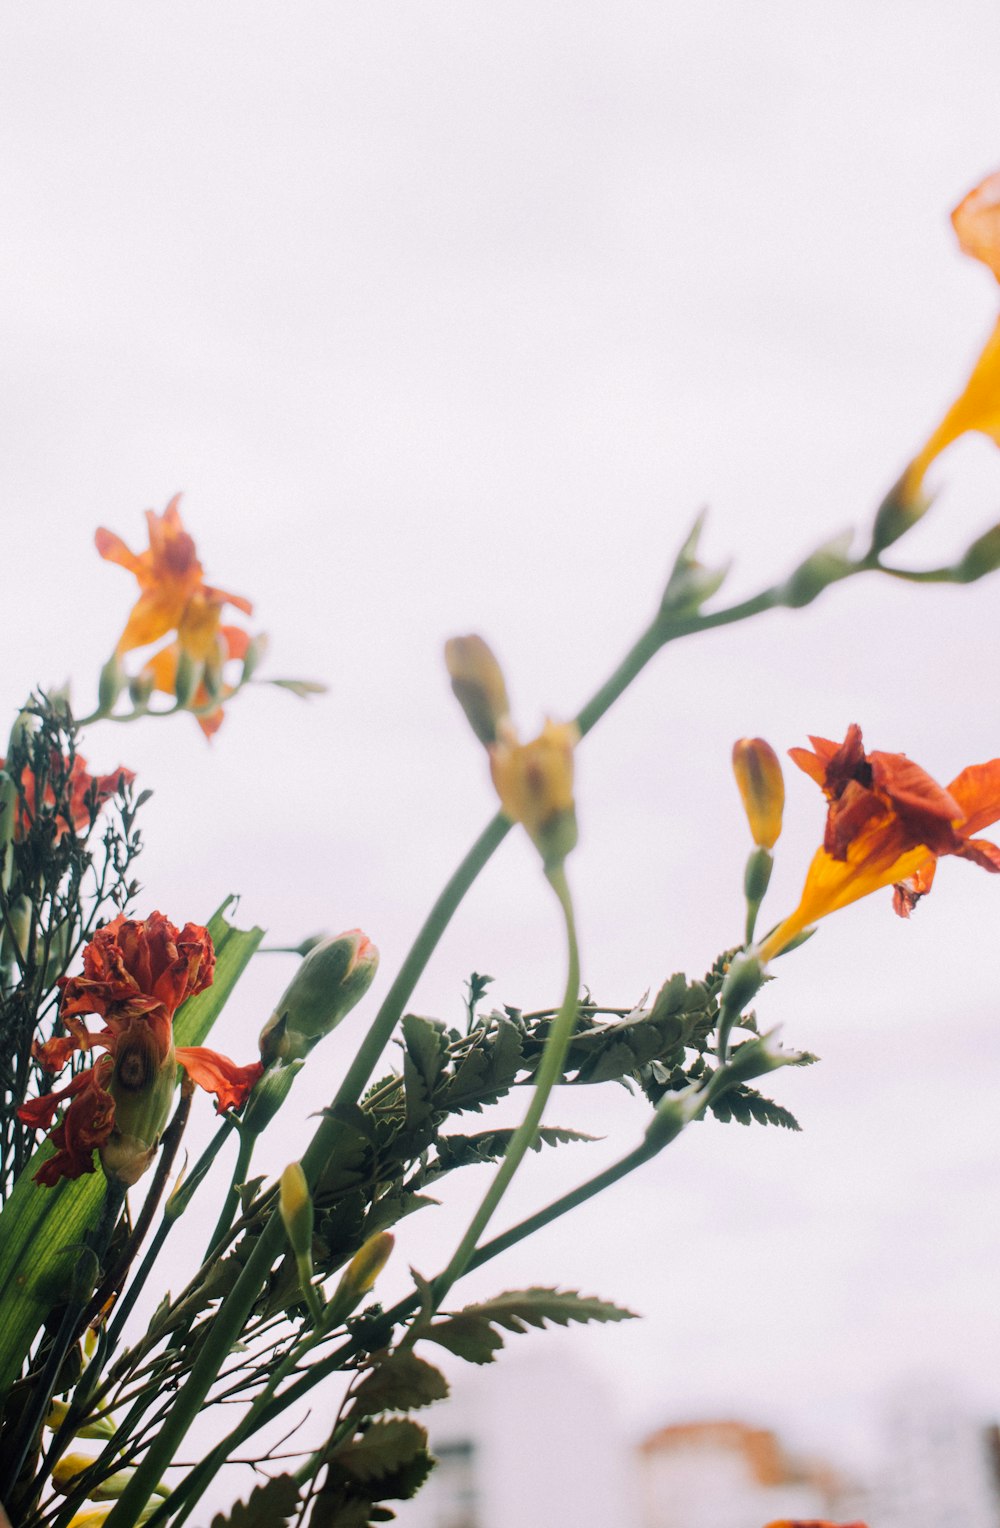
x: 888, y: 822
x: 160, y: 673
x: 976, y: 221
x: 813, y: 1522
x: 174, y: 596
x: 81, y: 792
x: 136, y: 974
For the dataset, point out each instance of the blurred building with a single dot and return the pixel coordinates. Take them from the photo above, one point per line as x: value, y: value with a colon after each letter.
x: 941, y: 1463
x: 726, y: 1474
x: 532, y: 1443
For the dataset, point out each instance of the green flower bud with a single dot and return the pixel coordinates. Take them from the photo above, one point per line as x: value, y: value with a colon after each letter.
x: 330, y: 981
x: 254, y: 656
x: 982, y: 557
x: 110, y: 684
x: 189, y: 676
x: 269, y: 1095
x: 825, y: 566
x: 295, y: 1203
x: 898, y: 512
x: 691, y: 583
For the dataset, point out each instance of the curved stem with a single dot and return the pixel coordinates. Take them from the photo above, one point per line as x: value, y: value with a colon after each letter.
x: 547, y: 1075
x: 248, y: 1140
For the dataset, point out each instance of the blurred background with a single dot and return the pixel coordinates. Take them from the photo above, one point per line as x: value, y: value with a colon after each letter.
x: 450, y: 317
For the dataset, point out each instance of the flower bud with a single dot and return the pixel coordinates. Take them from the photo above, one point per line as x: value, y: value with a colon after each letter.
x: 753, y: 1059
x: 365, y: 1266
x: 110, y: 684
x: 479, y: 687
x: 982, y: 557
x: 673, y: 1112
x: 743, y: 981
x: 58, y: 1412
x: 691, y: 583
x: 825, y: 566
x: 903, y: 506
x: 141, y: 687
x: 535, y: 784
x: 296, y: 1206
x: 188, y: 677
x: 762, y: 788
x: 330, y: 981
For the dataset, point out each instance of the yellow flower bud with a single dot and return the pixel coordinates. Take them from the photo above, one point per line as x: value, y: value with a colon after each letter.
x: 762, y: 787
x: 365, y: 1266
x: 479, y: 687
x: 295, y: 1203
x: 535, y: 784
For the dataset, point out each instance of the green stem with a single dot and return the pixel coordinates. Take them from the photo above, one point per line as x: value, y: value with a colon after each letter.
x: 248, y: 1140
x: 547, y: 1075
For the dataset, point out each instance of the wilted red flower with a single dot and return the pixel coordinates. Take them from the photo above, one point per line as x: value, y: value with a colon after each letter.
x: 888, y: 822
x: 174, y: 595
x: 79, y: 791
x: 136, y: 974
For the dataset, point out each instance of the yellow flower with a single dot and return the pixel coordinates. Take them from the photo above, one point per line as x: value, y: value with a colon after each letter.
x: 535, y: 784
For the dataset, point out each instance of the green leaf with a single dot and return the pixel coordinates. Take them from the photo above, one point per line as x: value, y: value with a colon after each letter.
x: 472, y: 1334
x: 270, y: 1506
x: 399, y: 1382
x: 380, y: 1451
x: 40, y: 1226
x: 488, y: 1145
x: 423, y: 1062
x: 746, y: 1105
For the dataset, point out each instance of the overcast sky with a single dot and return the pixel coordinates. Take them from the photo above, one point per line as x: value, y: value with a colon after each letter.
x: 449, y: 317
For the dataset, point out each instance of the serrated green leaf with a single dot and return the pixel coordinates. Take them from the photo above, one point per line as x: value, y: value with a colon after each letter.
x: 269, y: 1506
x: 488, y: 1145
x: 423, y: 1062
x: 399, y: 1382
x: 39, y: 1226
x: 381, y: 1450
x: 745, y: 1104
x: 472, y: 1334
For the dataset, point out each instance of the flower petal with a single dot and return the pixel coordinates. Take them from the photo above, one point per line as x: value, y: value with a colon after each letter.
x: 230, y: 1083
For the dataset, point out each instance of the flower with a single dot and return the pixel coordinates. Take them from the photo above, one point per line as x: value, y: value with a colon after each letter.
x: 887, y: 822
x: 174, y: 596
x: 762, y: 788
x: 136, y: 974
x: 71, y: 796
x: 535, y: 784
x: 976, y: 221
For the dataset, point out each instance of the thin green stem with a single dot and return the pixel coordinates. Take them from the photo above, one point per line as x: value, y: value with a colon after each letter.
x: 547, y: 1075
x: 248, y: 1140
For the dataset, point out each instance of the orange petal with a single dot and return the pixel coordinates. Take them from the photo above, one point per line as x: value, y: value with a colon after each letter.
x: 977, y: 409
x: 977, y: 791
x: 230, y: 1083
x: 113, y: 549
x: 976, y: 221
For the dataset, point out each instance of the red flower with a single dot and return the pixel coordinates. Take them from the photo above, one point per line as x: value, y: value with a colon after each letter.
x: 136, y: 974
x: 80, y: 791
x: 888, y: 822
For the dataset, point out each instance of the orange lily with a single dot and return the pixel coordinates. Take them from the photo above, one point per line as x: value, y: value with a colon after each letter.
x: 136, y: 974
x: 976, y: 221
x: 888, y: 822
x: 174, y: 595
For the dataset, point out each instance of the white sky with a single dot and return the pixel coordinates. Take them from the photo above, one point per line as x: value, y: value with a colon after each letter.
x: 449, y: 316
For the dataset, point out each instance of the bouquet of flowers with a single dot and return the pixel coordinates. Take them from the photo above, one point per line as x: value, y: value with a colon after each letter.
x: 106, y: 1007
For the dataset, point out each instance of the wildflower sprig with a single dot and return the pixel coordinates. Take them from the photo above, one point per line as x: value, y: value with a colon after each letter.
x: 281, y: 1299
